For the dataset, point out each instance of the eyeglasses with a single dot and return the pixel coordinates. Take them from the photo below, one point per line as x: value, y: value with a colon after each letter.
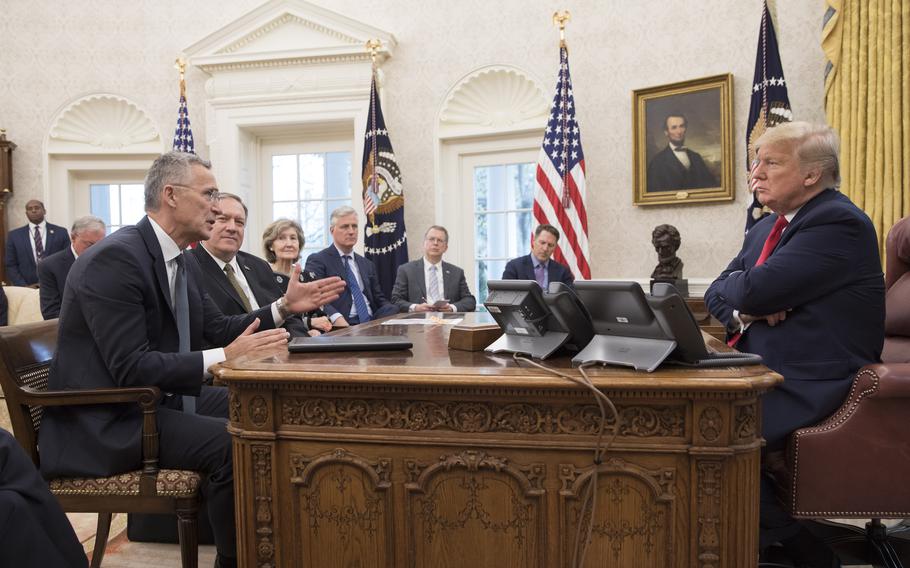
x: 210, y: 195
x: 436, y: 240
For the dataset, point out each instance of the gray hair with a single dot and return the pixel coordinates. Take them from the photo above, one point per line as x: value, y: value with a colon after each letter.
x: 817, y: 146
x: 437, y: 228
x: 340, y: 212
x: 168, y: 168
x: 87, y: 223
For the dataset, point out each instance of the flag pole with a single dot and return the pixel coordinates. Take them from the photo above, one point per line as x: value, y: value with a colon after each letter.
x: 180, y: 65
x: 373, y: 46
x: 560, y: 19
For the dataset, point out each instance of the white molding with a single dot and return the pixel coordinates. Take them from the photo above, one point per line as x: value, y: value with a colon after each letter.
x: 103, y: 123
x: 334, y: 38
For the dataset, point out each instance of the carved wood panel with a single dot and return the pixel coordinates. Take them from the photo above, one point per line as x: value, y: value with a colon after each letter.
x: 634, y: 515
x: 475, y: 509
x: 343, y: 508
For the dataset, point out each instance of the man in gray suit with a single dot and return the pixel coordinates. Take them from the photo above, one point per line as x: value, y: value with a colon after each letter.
x: 429, y: 284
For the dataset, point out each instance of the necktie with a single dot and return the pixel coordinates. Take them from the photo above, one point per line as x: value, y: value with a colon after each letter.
x: 39, y: 246
x: 235, y: 284
x: 539, y: 274
x: 433, y: 286
x: 182, y: 314
x: 773, y: 238
x: 360, y: 302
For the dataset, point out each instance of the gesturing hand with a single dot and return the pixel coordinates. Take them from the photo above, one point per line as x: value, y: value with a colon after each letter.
x: 251, y: 341
x: 304, y: 297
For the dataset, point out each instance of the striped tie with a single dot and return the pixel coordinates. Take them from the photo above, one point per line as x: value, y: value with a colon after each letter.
x: 39, y: 246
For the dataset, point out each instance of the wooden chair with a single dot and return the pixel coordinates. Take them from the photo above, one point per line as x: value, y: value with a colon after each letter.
x: 26, y: 352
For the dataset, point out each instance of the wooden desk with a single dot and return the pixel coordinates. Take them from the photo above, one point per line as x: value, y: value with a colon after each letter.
x: 432, y: 458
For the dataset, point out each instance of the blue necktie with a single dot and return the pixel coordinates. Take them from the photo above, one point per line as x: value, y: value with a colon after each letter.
x: 360, y: 302
x: 182, y: 313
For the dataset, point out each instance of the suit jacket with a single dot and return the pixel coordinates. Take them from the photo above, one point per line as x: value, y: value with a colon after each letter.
x: 118, y: 330
x: 522, y: 268
x: 411, y: 287
x: 825, y: 269
x: 666, y: 172
x: 52, y: 272
x: 258, y: 275
x: 327, y: 262
x: 20, y: 260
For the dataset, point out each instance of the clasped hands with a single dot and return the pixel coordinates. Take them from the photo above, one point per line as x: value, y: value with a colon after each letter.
x: 300, y: 297
x: 770, y: 319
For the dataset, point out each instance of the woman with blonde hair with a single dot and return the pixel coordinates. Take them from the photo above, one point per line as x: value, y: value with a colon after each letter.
x: 282, y: 241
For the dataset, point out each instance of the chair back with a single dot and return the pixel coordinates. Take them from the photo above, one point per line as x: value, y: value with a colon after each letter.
x: 26, y: 352
x: 897, y: 294
x: 24, y: 304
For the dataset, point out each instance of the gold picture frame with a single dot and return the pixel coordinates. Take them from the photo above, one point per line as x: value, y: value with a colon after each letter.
x: 663, y: 170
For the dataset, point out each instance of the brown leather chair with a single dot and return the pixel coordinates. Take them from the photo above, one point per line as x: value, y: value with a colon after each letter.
x: 26, y: 352
x: 897, y: 294
x: 856, y: 465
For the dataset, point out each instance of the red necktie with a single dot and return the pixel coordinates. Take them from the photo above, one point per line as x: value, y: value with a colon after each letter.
x: 773, y: 238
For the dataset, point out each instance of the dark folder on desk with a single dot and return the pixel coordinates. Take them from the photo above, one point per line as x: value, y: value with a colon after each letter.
x: 325, y: 343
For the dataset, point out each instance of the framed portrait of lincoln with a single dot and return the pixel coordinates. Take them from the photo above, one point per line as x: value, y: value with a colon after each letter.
x: 683, y: 142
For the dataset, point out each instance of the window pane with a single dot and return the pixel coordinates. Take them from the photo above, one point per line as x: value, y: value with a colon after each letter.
x: 312, y: 176
x: 338, y: 174
x: 100, y: 202
x: 527, y: 184
x: 520, y: 231
x: 132, y: 203
x: 333, y: 205
x: 487, y: 270
x: 312, y: 220
x: 284, y: 178
x: 481, y: 188
x: 304, y: 253
x: 284, y: 210
x: 114, y: 197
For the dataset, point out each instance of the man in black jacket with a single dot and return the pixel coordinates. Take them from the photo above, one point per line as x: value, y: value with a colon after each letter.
x: 237, y: 281
x: 52, y: 270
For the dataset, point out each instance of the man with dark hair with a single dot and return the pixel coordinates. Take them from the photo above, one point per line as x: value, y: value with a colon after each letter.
x: 425, y: 284
x: 806, y: 292
x: 238, y: 282
x: 52, y: 270
x: 677, y: 167
x: 134, y: 314
x: 28, y: 245
x: 538, y: 265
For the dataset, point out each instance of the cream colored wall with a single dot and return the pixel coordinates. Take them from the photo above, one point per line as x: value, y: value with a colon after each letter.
x: 54, y: 52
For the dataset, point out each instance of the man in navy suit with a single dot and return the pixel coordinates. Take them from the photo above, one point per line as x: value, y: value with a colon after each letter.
x: 362, y: 299
x: 134, y: 314
x: 807, y: 293
x: 538, y: 265
x: 52, y: 270
x: 676, y: 166
x: 237, y: 281
x: 27, y: 245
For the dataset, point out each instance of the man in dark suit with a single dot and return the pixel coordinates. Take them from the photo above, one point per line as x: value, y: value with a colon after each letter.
x: 134, y: 314
x: 414, y: 290
x: 362, y: 299
x: 237, y: 281
x: 538, y: 265
x: 34, y: 530
x: 677, y: 167
x: 806, y: 292
x: 52, y: 270
x: 27, y: 245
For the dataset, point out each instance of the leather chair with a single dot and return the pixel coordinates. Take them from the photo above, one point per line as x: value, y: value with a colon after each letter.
x: 897, y: 294
x: 26, y: 352
x: 856, y: 465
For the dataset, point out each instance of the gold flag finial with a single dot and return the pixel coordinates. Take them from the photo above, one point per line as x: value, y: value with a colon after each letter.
x: 373, y: 46
x: 180, y: 65
x: 560, y: 19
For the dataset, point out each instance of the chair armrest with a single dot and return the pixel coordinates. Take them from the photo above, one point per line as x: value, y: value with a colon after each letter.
x: 893, y: 380
x: 146, y: 397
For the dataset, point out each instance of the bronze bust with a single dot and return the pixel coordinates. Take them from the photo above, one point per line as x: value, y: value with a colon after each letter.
x: 666, y: 241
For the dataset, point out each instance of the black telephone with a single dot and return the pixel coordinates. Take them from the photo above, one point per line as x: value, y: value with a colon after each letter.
x: 678, y: 324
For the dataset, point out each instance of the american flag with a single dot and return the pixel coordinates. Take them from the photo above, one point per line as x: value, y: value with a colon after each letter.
x: 770, y: 105
x: 385, y: 239
x: 183, y: 136
x: 560, y: 196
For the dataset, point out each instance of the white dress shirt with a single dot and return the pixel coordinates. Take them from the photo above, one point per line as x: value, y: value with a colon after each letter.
x: 682, y: 156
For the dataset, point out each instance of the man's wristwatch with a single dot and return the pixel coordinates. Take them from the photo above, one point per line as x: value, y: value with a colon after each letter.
x: 283, y: 309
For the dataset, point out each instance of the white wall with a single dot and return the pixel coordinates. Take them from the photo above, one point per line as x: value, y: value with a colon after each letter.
x: 53, y: 52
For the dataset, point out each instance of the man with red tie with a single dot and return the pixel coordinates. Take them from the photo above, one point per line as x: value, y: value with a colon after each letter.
x: 807, y: 293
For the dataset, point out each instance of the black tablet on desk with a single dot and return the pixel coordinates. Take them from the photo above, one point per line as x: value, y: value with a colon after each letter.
x: 328, y: 343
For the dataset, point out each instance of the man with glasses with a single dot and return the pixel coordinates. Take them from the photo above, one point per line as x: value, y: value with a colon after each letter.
x: 134, y: 314
x: 429, y: 284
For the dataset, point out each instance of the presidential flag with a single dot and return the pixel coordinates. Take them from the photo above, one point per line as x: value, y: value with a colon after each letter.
x: 385, y: 240
x: 560, y: 196
x: 770, y: 105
